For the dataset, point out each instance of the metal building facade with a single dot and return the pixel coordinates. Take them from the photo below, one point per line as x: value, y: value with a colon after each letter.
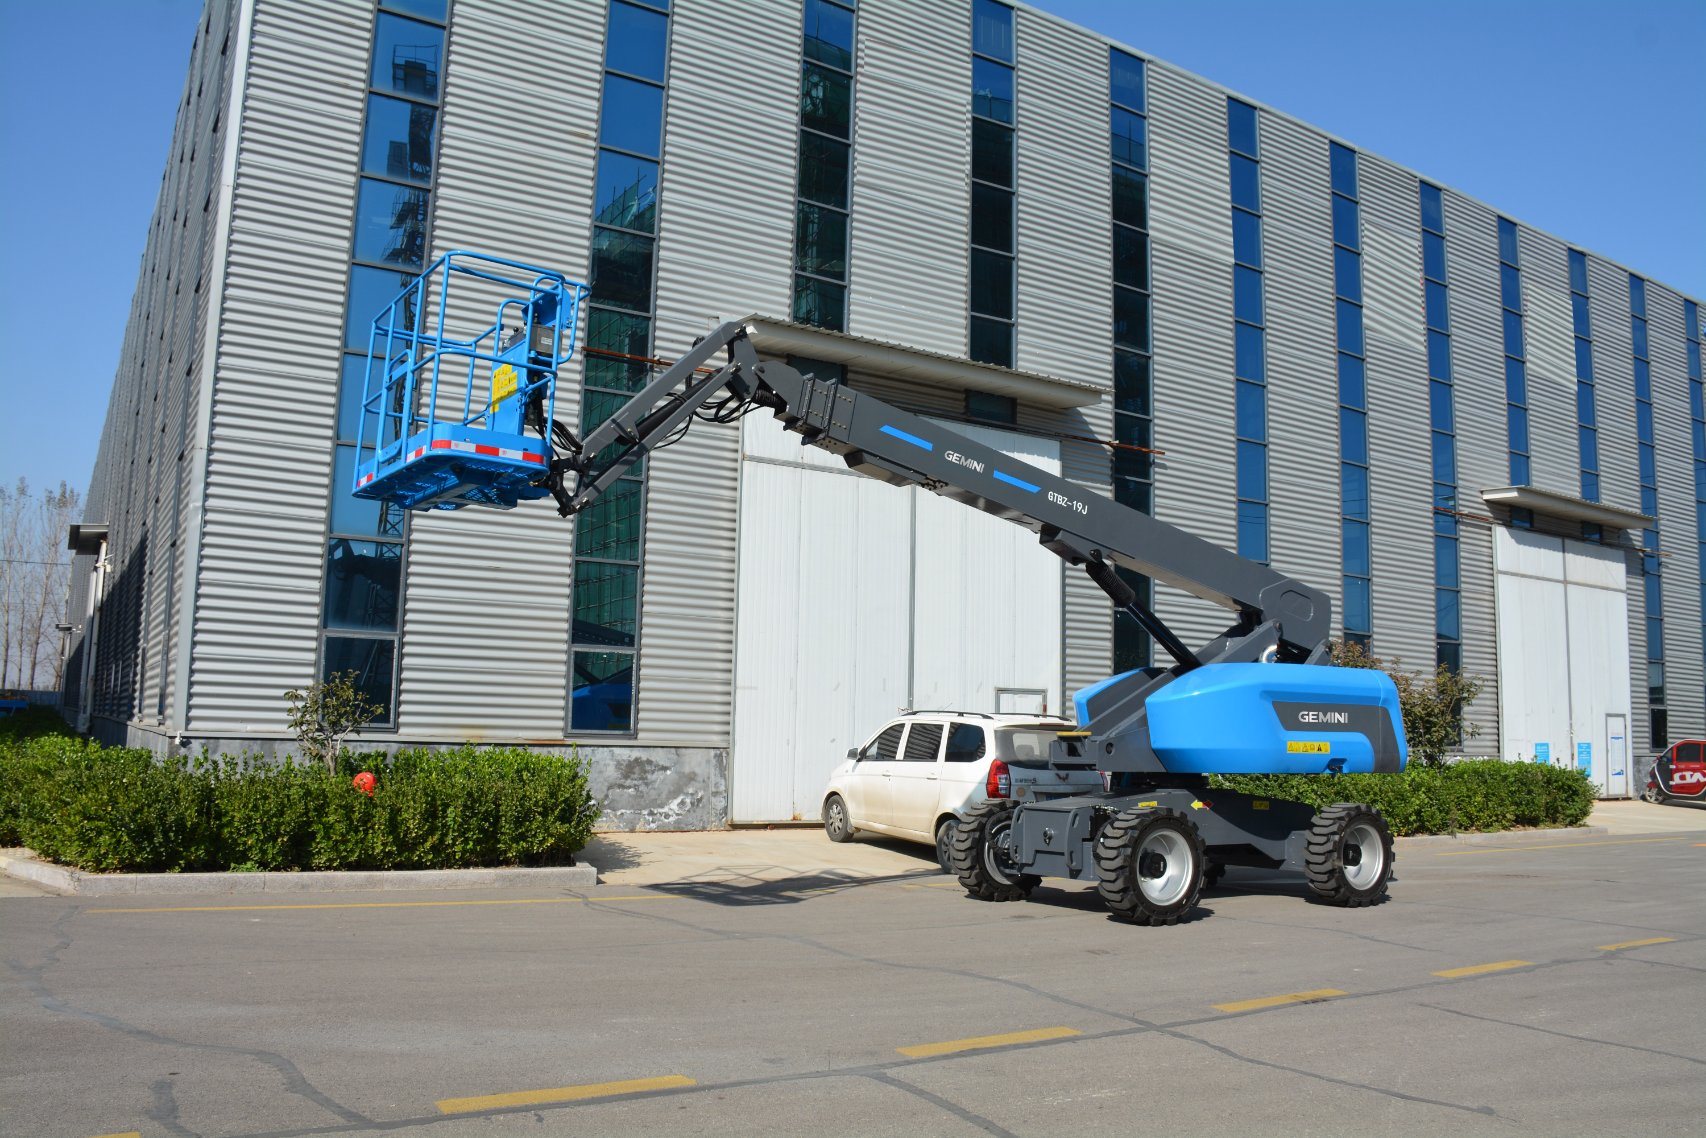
x: 215, y: 469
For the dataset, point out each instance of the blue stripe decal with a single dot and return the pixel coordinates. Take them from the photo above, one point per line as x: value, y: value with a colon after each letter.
x: 906, y: 438
x: 1019, y: 482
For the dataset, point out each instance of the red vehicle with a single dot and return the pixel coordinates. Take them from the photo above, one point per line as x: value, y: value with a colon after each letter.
x: 1679, y: 775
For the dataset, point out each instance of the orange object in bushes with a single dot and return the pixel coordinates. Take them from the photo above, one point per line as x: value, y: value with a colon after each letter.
x: 364, y: 782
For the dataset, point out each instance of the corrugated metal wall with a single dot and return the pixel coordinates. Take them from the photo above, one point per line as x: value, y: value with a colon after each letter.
x: 1401, y: 481
x: 1065, y: 281
x: 143, y: 471
x: 486, y: 611
x: 1672, y: 428
x: 725, y: 250
x: 1303, y: 399
x: 270, y: 455
x: 1191, y: 228
x: 1483, y: 455
x: 911, y: 173
x: 1549, y: 336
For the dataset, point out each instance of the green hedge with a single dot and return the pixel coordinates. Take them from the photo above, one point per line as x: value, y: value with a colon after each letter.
x: 121, y: 809
x: 1475, y: 794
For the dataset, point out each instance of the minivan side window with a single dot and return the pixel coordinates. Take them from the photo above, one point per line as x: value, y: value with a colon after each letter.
x: 965, y: 743
x: 886, y: 746
x: 923, y: 742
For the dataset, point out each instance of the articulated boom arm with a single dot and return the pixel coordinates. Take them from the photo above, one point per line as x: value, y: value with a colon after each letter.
x: 1278, y: 618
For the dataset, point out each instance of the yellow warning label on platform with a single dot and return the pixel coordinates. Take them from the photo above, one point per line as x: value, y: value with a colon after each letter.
x: 1310, y: 747
x: 503, y: 383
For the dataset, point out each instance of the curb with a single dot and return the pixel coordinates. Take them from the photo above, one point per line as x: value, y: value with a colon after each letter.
x: 77, y: 883
x: 1499, y: 837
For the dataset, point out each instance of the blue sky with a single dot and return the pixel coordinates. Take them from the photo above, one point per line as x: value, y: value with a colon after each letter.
x: 1584, y: 119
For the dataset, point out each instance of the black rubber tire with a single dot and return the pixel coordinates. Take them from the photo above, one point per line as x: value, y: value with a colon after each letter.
x: 945, y: 843
x: 1212, y: 876
x: 977, y: 854
x: 837, y: 823
x: 1328, y: 847
x: 1119, y: 876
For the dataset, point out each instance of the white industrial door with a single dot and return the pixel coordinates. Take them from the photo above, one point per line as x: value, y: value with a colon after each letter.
x: 1563, y: 631
x: 857, y: 599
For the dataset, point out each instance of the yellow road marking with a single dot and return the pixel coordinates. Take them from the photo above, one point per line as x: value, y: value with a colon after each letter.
x: 562, y: 1094
x: 1478, y: 969
x: 1556, y: 846
x: 1636, y: 943
x: 1278, y: 1001
x: 379, y: 905
x: 980, y: 1042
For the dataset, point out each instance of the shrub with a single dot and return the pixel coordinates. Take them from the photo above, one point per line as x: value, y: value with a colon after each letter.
x: 323, y: 715
x: 115, y: 808
x: 1473, y: 794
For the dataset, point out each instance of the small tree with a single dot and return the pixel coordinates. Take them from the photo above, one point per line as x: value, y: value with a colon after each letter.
x: 1432, y: 705
x: 323, y: 715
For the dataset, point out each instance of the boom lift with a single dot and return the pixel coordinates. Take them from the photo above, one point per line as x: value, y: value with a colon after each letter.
x: 1258, y: 699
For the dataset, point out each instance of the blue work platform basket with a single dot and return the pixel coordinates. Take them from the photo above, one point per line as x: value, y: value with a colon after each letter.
x: 451, y: 420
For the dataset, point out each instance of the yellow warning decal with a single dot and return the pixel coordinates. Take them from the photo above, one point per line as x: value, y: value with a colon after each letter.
x: 1307, y: 747
x: 504, y: 382
x: 1258, y: 804
x: 1199, y: 805
x: 1151, y: 802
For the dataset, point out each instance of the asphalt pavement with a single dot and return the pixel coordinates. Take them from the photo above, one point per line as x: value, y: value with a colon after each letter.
x: 794, y: 987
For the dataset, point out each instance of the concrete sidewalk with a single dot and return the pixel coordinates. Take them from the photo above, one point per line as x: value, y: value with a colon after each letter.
x: 1632, y: 816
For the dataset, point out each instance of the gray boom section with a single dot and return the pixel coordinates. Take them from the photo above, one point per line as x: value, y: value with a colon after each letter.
x: 895, y: 446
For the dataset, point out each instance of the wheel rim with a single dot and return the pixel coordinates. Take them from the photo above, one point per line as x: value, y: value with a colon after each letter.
x: 1164, y: 867
x: 837, y: 816
x: 1364, y: 856
x: 998, y: 851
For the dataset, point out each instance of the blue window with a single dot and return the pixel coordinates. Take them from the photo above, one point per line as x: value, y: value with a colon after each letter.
x: 1433, y: 257
x: 1252, y: 470
x: 992, y: 90
x: 621, y: 270
x: 1350, y: 328
x: 992, y: 30
x: 399, y: 140
x: 991, y: 284
x: 1131, y: 195
x: 1131, y: 258
x: 1357, y: 608
x: 1439, y: 406
x: 1589, y: 441
x: 1246, y: 294
x: 829, y: 34
x: 1253, y: 530
x: 371, y: 292
x: 1433, y: 211
x: 1584, y: 360
x: 627, y: 193
x: 1518, y: 429
x: 824, y: 166
x: 1246, y: 238
x: 1437, y: 306
x: 364, y: 584
x: 1578, y: 271
x: 373, y: 659
x: 1241, y: 127
x: 1248, y: 353
x: 991, y: 341
x: 1643, y: 379
x: 1131, y: 319
x: 1343, y: 163
x: 992, y: 218
x: 992, y: 161
x: 1345, y: 223
x: 1128, y: 137
x: 1520, y: 475
x: 1444, y: 458
x: 1347, y: 274
x: 1246, y: 183
x: 1125, y: 80
x: 391, y: 223
x: 1132, y: 383
x: 1510, y: 287
x: 1516, y: 381
x: 1579, y: 313
x: 1507, y: 242
x: 1637, y: 297
x: 820, y: 240
x: 1445, y: 562
x: 408, y: 57
x: 1251, y: 410
x: 1639, y: 329
x: 1513, y: 334
x: 1439, y: 356
x: 1448, y: 615
x: 826, y: 100
x: 1356, y: 548
x: 635, y: 42
x: 632, y: 116
x: 601, y: 694
x: 1353, y: 487
x: 1353, y: 435
x: 1353, y: 385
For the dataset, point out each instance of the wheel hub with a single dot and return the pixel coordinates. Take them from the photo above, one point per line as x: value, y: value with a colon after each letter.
x: 1165, y: 866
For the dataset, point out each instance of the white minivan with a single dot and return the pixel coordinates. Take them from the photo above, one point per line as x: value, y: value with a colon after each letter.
x: 918, y: 775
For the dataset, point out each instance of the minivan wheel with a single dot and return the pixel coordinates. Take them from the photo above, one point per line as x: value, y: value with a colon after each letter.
x: 836, y: 822
x: 945, y: 843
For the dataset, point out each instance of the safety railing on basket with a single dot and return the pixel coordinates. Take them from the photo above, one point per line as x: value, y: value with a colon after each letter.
x: 451, y: 420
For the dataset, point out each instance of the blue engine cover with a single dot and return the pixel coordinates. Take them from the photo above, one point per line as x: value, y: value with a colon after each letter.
x: 1278, y: 719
